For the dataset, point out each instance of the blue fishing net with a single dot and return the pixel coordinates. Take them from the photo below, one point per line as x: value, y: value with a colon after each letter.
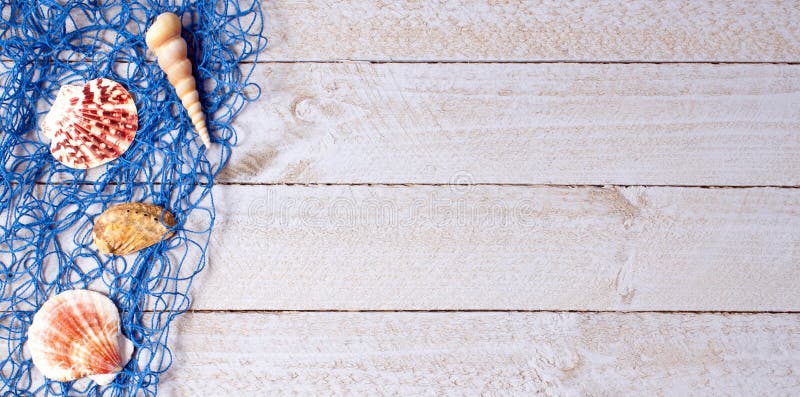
x: 47, y: 209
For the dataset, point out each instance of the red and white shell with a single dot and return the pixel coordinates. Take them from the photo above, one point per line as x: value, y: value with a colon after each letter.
x: 91, y: 125
x: 76, y: 334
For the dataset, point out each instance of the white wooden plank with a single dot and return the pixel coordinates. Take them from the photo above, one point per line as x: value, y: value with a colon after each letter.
x: 528, y: 124
x: 539, y: 30
x: 478, y: 247
x: 223, y: 354
x: 585, y: 30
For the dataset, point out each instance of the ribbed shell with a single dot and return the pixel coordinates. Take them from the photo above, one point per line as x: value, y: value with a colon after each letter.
x: 126, y: 228
x: 76, y: 334
x: 91, y: 125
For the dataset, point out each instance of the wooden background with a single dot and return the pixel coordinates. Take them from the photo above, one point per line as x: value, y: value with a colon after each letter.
x: 507, y: 197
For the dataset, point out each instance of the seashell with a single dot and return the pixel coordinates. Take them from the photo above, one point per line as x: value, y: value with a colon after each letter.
x: 92, y: 124
x: 164, y: 39
x: 126, y: 228
x: 76, y: 334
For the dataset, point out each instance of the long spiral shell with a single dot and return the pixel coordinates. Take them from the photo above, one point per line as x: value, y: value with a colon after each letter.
x: 164, y: 39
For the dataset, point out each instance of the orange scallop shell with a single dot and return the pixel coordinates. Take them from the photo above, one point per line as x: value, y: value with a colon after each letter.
x: 76, y: 334
x: 92, y: 124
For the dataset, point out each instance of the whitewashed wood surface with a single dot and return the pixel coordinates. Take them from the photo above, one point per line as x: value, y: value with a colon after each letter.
x: 563, y: 123
x: 534, y: 30
x: 502, y: 248
x: 508, y: 198
x: 552, y: 166
x: 458, y: 354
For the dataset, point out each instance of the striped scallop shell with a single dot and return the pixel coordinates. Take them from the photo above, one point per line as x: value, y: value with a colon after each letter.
x: 76, y: 334
x: 126, y: 228
x: 91, y: 125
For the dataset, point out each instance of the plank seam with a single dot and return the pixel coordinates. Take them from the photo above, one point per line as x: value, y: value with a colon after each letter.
x: 289, y: 311
x: 278, y: 311
x: 487, y: 62
x: 486, y: 184
x: 482, y: 184
x: 524, y: 62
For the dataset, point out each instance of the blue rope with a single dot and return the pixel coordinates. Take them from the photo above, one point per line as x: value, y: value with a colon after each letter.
x: 47, y: 209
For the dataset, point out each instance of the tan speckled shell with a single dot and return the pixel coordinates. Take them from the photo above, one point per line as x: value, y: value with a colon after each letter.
x: 76, y: 334
x: 126, y: 228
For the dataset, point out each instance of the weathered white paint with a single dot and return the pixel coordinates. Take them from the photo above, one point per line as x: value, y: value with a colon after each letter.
x: 530, y: 30
x: 490, y: 247
x: 585, y: 30
x: 500, y: 247
x: 552, y: 354
x: 529, y: 124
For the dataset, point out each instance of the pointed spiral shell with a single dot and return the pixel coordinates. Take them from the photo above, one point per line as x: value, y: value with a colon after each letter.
x: 164, y: 39
x: 76, y: 334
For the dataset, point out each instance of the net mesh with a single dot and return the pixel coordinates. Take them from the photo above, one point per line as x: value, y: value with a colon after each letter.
x: 47, y: 209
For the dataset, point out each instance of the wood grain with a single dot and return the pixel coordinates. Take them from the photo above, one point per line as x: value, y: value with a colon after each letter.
x: 462, y: 246
x: 521, y: 124
x: 478, y: 247
x: 521, y: 31
x: 484, y: 30
x: 552, y: 354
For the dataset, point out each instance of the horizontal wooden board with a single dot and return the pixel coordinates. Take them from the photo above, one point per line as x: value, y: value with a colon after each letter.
x: 478, y: 247
x: 518, y: 31
x: 585, y: 30
x: 223, y: 354
x: 523, y: 124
